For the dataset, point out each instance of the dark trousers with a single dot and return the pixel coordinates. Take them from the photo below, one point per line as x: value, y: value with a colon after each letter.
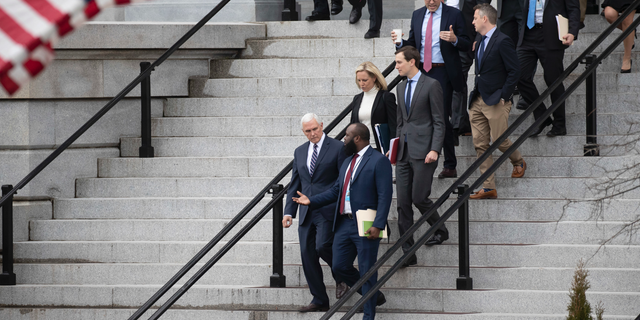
x: 413, y: 186
x: 316, y: 240
x: 510, y: 19
x: 321, y: 8
x: 440, y: 74
x: 459, y: 103
x: 347, y: 245
x: 375, y: 12
x: 532, y: 50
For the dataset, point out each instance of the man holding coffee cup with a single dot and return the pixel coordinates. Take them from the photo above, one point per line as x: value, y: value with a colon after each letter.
x: 444, y: 37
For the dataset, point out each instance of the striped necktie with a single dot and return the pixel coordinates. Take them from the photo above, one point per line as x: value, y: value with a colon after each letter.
x: 314, y: 158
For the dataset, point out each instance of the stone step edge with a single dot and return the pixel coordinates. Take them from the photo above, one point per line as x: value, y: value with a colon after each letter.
x: 47, y: 264
x: 391, y: 243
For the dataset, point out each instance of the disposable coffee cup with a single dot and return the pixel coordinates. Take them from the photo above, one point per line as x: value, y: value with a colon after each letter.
x: 398, y: 33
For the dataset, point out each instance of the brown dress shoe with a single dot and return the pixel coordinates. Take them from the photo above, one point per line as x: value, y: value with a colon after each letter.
x: 341, y: 289
x: 482, y: 194
x: 313, y: 307
x: 448, y: 173
x: 518, y: 171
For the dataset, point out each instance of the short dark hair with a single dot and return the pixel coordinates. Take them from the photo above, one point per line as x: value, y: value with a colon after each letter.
x: 410, y: 53
x: 361, y: 130
x: 486, y: 10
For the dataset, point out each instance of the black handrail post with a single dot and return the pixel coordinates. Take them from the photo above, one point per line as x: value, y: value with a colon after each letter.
x: 278, y: 279
x: 7, y: 278
x: 464, y: 282
x: 591, y: 148
x: 146, y: 150
x: 289, y: 12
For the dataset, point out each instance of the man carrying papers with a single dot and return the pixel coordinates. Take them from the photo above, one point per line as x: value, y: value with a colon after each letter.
x: 364, y: 183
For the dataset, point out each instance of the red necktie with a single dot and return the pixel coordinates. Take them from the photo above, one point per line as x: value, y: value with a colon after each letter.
x: 347, y: 177
x: 427, y: 45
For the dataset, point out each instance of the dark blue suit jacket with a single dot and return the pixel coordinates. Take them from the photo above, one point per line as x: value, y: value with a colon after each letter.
x: 450, y: 53
x: 371, y: 187
x: 326, y: 172
x: 499, y: 69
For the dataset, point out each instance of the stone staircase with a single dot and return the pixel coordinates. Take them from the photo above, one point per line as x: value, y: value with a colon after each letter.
x: 126, y: 232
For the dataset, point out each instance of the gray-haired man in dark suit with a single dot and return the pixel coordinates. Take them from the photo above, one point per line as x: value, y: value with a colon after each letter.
x: 421, y: 130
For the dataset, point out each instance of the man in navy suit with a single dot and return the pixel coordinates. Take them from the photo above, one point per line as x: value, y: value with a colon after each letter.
x: 364, y: 183
x: 315, y: 169
x: 497, y: 72
x: 440, y: 56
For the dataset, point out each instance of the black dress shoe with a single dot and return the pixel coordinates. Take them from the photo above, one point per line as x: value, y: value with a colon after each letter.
x: 313, y: 308
x: 556, y: 132
x: 381, y: 299
x: 411, y: 262
x: 448, y: 173
x: 438, y: 238
x: 316, y: 17
x: 540, y: 128
x: 341, y: 289
x: 336, y: 7
x: 355, y: 15
x: 372, y: 34
x: 522, y: 105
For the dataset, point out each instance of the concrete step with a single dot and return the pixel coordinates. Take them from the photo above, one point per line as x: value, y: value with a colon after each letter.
x: 309, y: 48
x: 594, y: 24
x: 283, y: 68
x: 570, y: 145
x: 527, y: 187
x: 192, y: 167
x: 257, y: 107
x: 270, y: 166
x: 491, y: 232
x: 608, y: 124
x: 227, y: 208
x: 481, y: 255
x: 286, y: 67
x: 304, y: 86
x: 602, y: 279
x: 178, y: 314
x: 329, y: 106
x: 409, y: 300
x: 173, y: 187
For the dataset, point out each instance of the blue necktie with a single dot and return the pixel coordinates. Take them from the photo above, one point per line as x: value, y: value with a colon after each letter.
x: 531, y: 19
x: 481, y: 51
x: 407, y: 99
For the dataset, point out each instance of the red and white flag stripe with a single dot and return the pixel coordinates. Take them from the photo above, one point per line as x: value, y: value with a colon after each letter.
x: 29, y: 29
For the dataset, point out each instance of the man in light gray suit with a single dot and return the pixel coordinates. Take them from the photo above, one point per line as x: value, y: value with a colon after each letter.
x: 421, y: 130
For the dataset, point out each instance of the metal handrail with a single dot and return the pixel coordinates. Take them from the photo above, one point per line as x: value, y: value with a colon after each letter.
x: 234, y: 222
x: 144, y: 74
x: 494, y: 146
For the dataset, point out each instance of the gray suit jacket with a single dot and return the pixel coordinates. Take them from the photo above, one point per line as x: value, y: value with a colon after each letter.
x: 424, y: 125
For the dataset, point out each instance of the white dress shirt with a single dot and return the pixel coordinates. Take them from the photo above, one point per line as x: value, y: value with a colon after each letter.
x: 454, y: 3
x: 436, y: 55
x: 539, y: 10
x: 310, y: 152
x: 347, y: 205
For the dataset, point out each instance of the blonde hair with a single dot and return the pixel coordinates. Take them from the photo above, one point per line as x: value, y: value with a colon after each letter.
x: 373, y: 71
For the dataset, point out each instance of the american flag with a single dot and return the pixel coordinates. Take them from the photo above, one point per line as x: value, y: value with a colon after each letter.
x: 29, y: 29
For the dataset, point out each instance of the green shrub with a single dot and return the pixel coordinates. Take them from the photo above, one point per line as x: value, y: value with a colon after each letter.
x: 579, y: 308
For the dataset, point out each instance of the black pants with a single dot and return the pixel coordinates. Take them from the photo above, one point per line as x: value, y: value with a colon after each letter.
x: 375, y: 12
x: 413, y: 186
x: 440, y: 74
x: 532, y: 50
